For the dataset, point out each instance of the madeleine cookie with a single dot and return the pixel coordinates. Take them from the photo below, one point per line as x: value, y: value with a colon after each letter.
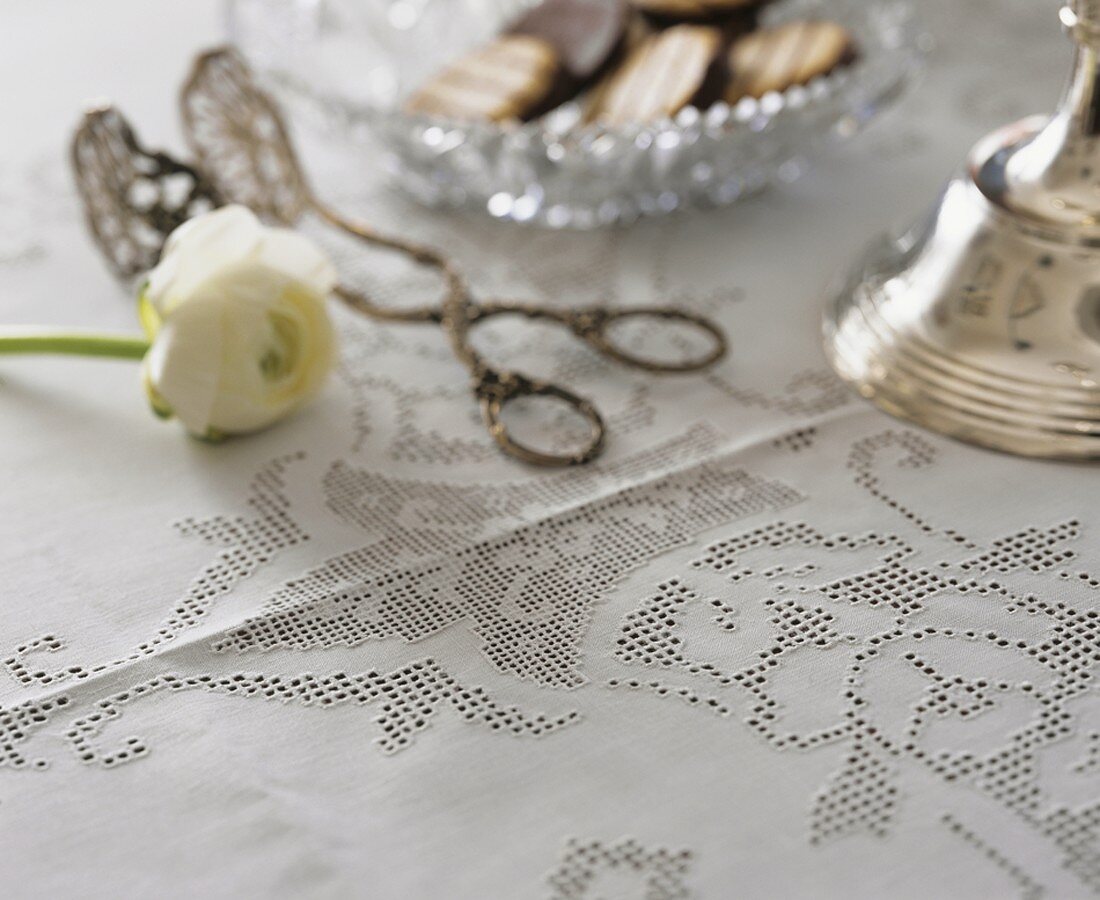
x: 779, y: 58
x: 514, y: 77
x: 660, y: 76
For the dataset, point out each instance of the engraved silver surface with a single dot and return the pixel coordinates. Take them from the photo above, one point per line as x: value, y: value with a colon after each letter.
x: 348, y: 64
x: 984, y: 321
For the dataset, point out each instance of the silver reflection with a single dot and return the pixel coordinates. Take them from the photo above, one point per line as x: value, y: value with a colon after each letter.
x: 984, y: 321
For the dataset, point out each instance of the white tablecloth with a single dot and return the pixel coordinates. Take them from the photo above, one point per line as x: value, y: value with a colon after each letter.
x: 773, y: 644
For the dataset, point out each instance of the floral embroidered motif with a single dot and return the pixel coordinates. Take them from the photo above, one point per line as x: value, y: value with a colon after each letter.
x: 1029, y: 888
x: 410, y: 697
x: 809, y: 636
x: 949, y: 629
x: 247, y: 544
x: 18, y: 722
x: 796, y: 441
x: 809, y: 393
x: 654, y: 874
x: 861, y: 798
x: 1090, y: 763
x: 528, y: 594
x: 917, y: 453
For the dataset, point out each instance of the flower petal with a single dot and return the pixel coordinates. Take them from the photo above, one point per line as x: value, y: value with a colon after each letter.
x: 278, y: 348
x: 184, y: 364
x: 199, y: 250
x: 239, y: 319
x: 297, y: 257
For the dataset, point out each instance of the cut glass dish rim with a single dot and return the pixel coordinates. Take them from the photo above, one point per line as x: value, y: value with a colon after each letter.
x: 892, y: 47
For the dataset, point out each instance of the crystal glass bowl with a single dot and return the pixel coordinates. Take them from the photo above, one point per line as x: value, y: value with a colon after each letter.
x: 350, y: 63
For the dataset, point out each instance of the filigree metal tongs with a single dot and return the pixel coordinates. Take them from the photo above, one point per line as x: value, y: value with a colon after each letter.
x: 244, y: 155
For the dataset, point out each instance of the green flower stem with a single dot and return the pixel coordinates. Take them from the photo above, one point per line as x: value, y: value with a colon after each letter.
x: 14, y: 340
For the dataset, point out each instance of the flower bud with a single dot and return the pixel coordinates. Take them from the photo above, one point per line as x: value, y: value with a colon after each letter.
x: 239, y: 325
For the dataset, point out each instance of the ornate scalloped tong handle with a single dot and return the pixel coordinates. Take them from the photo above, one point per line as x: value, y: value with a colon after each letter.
x: 133, y: 197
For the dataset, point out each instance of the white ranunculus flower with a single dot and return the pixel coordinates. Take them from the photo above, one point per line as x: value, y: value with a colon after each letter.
x: 237, y: 316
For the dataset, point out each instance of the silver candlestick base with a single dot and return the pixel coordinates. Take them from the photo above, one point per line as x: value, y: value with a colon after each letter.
x: 984, y: 321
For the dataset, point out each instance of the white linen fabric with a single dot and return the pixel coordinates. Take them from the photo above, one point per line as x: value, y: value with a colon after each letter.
x: 773, y: 644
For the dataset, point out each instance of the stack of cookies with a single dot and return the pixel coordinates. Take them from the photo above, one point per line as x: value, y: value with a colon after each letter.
x: 631, y: 61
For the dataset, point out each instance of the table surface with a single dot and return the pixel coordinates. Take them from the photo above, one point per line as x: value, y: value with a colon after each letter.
x: 773, y: 644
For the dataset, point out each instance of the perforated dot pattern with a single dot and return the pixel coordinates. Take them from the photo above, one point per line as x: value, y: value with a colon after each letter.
x: 19, y: 722
x: 528, y: 594
x: 809, y: 393
x: 245, y: 544
x: 861, y: 798
x: 409, y: 697
x: 660, y: 873
x: 796, y: 441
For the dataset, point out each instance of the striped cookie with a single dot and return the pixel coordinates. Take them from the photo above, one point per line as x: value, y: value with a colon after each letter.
x: 779, y: 58
x: 510, y: 78
x: 660, y: 76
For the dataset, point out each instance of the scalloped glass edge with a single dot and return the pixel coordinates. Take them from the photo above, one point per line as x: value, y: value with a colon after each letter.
x: 555, y: 173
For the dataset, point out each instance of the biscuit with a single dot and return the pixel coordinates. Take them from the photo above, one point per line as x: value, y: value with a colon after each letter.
x: 513, y: 77
x: 780, y: 58
x: 665, y: 72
